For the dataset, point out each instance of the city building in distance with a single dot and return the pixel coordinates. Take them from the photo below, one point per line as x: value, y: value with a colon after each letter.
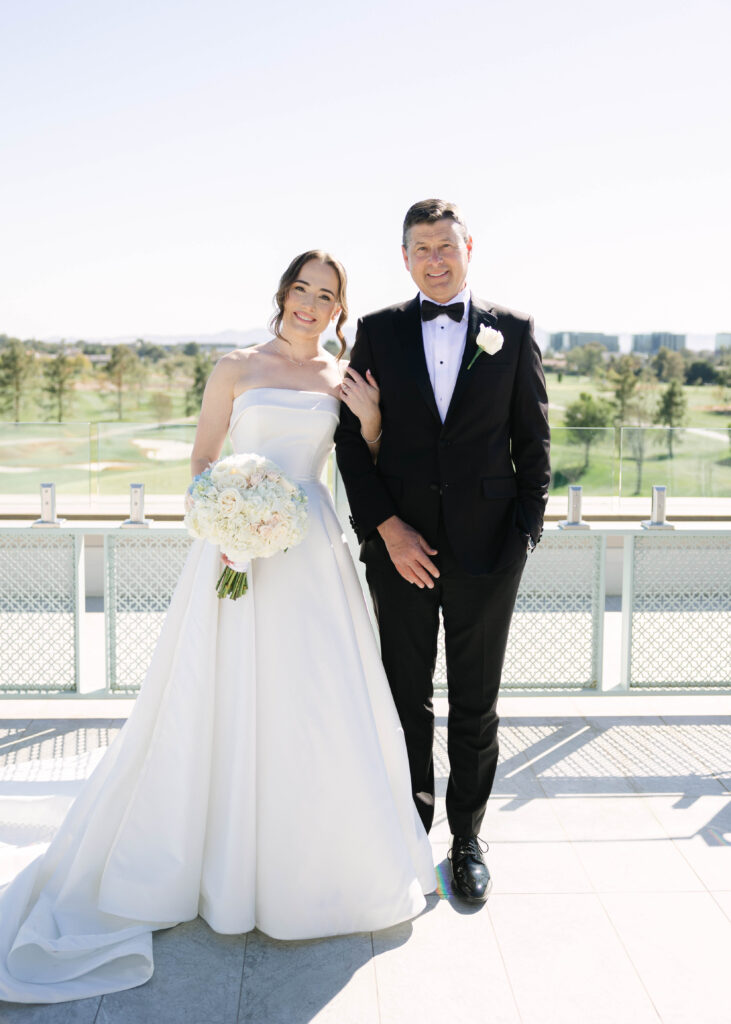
x: 564, y: 340
x: 650, y: 344
x: 723, y: 341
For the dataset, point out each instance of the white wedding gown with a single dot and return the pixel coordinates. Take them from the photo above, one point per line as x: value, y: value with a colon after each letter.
x: 262, y: 778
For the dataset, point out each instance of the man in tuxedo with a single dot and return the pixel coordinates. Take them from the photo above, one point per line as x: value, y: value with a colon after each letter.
x: 448, y: 510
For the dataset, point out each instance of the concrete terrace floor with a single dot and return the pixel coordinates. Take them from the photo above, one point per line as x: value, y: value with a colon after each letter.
x: 610, y: 845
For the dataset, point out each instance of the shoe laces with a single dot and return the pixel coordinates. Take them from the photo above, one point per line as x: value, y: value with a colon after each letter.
x: 469, y: 846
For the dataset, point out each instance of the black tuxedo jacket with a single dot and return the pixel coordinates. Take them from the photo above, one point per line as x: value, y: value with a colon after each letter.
x: 486, y: 468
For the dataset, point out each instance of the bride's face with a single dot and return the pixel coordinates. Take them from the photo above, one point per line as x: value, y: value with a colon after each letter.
x: 311, y: 302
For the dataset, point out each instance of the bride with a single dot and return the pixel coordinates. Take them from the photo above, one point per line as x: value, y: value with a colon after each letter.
x: 262, y: 778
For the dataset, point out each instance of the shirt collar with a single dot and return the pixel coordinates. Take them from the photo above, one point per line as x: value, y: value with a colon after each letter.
x: 463, y: 296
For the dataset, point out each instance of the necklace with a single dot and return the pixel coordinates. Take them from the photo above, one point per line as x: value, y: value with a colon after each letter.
x: 284, y: 355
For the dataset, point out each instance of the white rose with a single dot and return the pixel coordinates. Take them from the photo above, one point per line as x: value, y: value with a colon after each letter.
x: 230, y: 502
x: 489, y: 340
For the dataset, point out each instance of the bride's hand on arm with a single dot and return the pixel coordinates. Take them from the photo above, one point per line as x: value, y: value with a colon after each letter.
x: 214, y: 418
x: 362, y: 396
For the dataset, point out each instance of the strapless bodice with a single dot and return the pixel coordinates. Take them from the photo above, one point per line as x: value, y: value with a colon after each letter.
x: 292, y: 428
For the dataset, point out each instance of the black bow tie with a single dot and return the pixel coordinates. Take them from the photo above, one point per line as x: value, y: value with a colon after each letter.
x: 430, y: 310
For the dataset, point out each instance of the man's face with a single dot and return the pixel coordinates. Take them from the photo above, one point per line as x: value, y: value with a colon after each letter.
x: 436, y: 255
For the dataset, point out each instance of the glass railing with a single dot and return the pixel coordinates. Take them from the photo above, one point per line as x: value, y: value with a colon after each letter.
x: 88, y: 460
x: 585, y: 455
x: 156, y: 455
x: 692, y: 462
x: 37, y: 453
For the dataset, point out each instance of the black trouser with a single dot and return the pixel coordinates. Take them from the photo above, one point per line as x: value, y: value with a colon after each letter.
x: 477, y: 612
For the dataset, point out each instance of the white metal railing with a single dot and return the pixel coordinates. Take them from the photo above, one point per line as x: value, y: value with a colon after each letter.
x: 41, y: 600
x: 675, y: 609
x: 140, y: 573
x: 677, y: 628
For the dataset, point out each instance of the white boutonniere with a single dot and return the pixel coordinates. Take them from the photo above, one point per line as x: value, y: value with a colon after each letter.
x: 488, y: 340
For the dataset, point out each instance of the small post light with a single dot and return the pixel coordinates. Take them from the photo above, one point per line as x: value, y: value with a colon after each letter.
x: 657, y: 520
x: 136, y: 508
x: 573, y: 519
x: 48, y: 507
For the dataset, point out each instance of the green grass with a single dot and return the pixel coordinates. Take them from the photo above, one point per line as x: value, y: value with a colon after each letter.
x: 567, y: 463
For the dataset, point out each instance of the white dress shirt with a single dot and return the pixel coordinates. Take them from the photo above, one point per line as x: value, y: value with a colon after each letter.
x: 444, y: 341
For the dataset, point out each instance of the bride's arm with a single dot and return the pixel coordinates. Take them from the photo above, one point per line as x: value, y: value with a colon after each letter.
x: 215, y: 414
x: 362, y: 396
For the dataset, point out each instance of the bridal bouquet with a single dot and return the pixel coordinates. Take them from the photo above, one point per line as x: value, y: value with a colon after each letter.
x: 246, y: 505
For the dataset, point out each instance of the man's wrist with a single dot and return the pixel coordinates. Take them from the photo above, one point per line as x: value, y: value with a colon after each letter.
x: 387, y: 527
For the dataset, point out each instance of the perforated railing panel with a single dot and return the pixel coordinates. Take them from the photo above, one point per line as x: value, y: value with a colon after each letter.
x: 681, y: 611
x: 38, y: 611
x: 141, y: 573
x: 555, y: 633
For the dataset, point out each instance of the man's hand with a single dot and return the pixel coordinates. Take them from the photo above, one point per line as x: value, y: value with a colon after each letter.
x: 409, y: 552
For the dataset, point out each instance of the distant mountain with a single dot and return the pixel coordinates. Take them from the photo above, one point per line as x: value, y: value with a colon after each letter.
x: 221, y: 340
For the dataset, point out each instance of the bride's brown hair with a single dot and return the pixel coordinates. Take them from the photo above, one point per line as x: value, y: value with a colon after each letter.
x: 292, y: 273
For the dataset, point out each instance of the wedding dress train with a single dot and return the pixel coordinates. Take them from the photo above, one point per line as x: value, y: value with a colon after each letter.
x: 261, y: 779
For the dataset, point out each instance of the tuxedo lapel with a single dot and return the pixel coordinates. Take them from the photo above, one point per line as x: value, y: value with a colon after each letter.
x: 478, y: 315
x: 408, y: 327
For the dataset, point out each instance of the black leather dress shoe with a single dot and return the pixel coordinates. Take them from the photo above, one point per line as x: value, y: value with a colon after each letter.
x: 469, y: 872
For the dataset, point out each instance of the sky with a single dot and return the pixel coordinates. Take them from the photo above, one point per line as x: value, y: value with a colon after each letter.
x: 161, y: 161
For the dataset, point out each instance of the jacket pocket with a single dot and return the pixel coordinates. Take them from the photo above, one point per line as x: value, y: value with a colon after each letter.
x: 499, y: 487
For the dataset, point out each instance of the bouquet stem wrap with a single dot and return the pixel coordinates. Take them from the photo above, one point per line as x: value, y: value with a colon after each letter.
x: 233, y: 581
x: 248, y: 507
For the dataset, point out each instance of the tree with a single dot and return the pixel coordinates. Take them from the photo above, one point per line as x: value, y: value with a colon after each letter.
x: 149, y: 352
x: 586, y: 419
x: 332, y: 346
x: 59, y: 375
x: 17, y: 369
x: 92, y: 348
x: 121, y: 371
x: 202, y: 367
x: 623, y: 378
x: 171, y: 368
x: 137, y: 380
x: 671, y: 410
x: 640, y: 414
x: 161, y: 405
x: 586, y: 360
x: 700, y: 371
x: 669, y: 365
x: 723, y: 370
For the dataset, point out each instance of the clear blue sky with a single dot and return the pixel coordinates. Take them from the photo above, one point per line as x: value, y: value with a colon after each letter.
x: 163, y: 160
